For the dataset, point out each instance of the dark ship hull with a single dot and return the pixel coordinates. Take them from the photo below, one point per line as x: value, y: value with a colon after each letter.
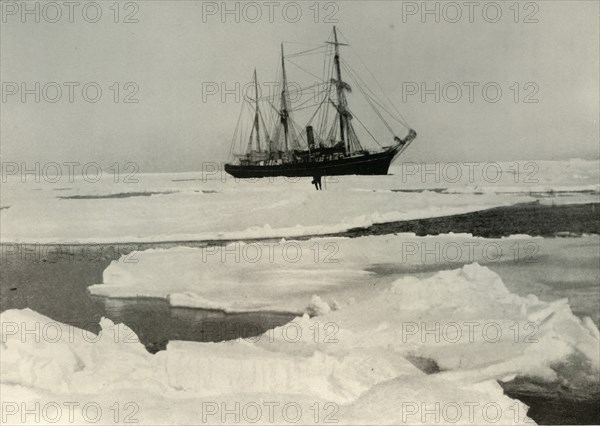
x: 367, y: 164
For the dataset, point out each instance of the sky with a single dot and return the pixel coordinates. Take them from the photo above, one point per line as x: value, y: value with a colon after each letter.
x: 154, y: 76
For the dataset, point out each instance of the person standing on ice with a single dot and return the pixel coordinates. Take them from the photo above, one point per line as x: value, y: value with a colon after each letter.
x: 317, y: 182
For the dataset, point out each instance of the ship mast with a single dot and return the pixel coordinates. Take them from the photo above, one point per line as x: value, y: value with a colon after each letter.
x: 256, y: 119
x: 341, y: 106
x: 284, y: 110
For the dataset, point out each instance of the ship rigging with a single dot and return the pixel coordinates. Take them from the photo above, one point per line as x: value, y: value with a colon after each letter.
x: 327, y: 144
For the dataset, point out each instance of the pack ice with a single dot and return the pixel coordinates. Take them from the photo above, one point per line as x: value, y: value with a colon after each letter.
x: 365, y: 372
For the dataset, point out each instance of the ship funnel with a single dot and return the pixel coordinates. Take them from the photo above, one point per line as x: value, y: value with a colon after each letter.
x: 310, y: 137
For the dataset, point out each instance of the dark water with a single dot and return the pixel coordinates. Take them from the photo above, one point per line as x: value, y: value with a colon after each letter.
x: 117, y: 195
x: 529, y: 218
x: 58, y: 290
x: 155, y: 322
x: 555, y: 404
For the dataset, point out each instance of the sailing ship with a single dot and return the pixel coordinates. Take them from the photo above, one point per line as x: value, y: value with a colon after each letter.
x: 327, y: 144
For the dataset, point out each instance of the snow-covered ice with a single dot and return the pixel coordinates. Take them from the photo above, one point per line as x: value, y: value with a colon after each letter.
x: 375, y: 314
x: 283, y: 275
x: 214, y: 206
x: 365, y: 366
